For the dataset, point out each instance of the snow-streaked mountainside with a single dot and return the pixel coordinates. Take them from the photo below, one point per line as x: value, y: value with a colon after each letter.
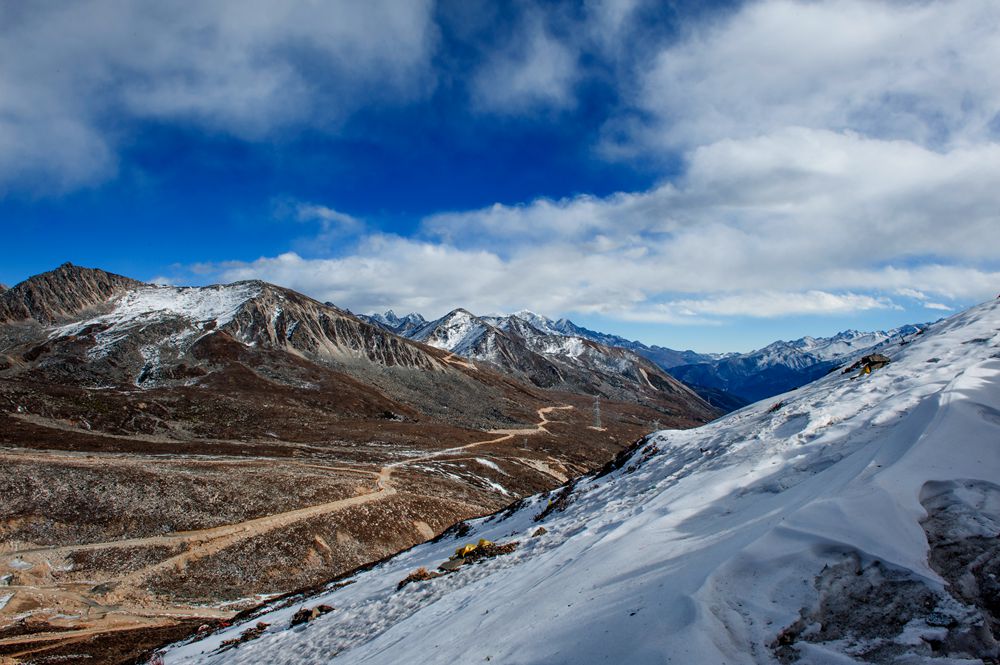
x: 198, y: 309
x: 466, y: 334
x: 661, y: 356
x: 164, y: 325
x: 853, y: 520
x: 96, y: 330
x: 549, y: 359
x: 785, y: 365
x: 840, y: 345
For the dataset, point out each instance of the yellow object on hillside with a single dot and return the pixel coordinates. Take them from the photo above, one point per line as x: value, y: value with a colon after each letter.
x: 465, y: 550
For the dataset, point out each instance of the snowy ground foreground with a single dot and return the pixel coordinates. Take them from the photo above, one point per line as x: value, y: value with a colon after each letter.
x: 706, y: 550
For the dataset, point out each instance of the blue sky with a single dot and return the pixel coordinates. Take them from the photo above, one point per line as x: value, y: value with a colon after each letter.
x: 697, y: 175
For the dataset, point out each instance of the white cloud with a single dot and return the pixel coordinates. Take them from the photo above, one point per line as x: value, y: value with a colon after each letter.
x: 537, y: 70
x: 795, y: 222
x: 76, y: 75
x: 609, y: 22
x: 332, y: 222
x: 771, y: 304
x: 921, y: 71
x: 386, y: 271
x: 813, y: 208
x: 161, y: 280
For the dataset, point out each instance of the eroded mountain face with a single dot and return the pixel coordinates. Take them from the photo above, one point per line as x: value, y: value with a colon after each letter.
x: 527, y: 346
x: 182, y: 450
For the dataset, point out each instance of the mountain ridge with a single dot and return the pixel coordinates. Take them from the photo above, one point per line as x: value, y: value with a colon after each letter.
x: 61, y: 293
x: 785, y: 365
x: 550, y: 360
x: 726, y: 380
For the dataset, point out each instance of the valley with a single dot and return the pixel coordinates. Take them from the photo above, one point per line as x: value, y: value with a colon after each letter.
x: 173, y: 457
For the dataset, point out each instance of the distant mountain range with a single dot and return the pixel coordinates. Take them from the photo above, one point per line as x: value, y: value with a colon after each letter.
x: 784, y: 366
x: 547, y: 354
x: 726, y: 380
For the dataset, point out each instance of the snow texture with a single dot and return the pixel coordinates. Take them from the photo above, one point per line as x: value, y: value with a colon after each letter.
x: 202, y: 308
x: 704, y: 545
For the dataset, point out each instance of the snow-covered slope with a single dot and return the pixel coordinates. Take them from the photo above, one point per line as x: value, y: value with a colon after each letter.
x: 154, y: 328
x: 459, y: 331
x: 197, y: 310
x: 663, y: 357
x: 854, y: 520
x: 844, y: 343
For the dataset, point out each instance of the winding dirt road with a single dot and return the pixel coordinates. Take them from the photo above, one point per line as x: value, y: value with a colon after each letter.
x: 206, y: 542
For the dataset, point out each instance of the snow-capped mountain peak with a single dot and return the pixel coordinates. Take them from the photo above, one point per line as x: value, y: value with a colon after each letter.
x: 457, y: 331
x: 401, y: 325
x: 543, y: 323
x: 516, y: 345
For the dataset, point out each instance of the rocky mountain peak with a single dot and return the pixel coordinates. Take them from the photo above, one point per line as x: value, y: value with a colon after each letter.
x: 61, y: 293
x: 459, y: 313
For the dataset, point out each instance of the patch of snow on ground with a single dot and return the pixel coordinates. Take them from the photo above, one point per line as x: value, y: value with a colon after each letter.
x: 573, y: 347
x: 491, y: 464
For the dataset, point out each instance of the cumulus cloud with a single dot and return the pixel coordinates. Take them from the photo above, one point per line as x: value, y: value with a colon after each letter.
x: 386, y: 271
x: 76, y: 75
x: 770, y: 304
x: 809, y: 207
x: 921, y: 71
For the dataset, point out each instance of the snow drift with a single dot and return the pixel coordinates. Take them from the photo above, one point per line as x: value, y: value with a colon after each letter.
x: 853, y: 520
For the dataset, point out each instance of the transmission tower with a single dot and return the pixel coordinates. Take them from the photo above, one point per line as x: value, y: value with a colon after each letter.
x: 597, y: 413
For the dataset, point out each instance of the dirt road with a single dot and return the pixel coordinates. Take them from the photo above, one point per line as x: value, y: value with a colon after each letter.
x: 110, y: 616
